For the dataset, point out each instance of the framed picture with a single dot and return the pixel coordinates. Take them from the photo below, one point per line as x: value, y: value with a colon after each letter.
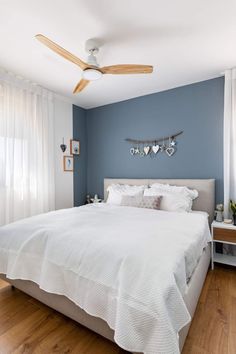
x: 74, y: 147
x: 68, y: 163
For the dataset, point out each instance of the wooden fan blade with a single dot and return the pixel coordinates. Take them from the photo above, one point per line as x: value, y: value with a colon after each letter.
x: 81, y: 85
x: 127, y: 69
x: 61, y: 51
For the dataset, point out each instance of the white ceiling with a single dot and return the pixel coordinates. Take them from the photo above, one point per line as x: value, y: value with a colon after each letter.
x: 185, y: 40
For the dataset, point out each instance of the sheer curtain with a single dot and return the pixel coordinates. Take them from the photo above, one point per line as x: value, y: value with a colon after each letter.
x: 26, y: 149
x: 229, y: 139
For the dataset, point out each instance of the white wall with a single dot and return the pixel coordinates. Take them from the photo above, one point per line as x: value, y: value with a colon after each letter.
x: 63, y: 128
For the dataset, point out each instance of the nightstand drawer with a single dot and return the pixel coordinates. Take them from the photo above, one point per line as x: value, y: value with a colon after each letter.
x: 224, y: 234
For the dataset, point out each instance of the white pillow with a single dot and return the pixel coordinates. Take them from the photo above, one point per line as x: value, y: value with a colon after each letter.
x: 192, y: 193
x: 179, y: 199
x: 116, y: 191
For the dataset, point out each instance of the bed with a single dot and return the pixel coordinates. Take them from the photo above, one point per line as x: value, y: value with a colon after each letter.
x: 63, y: 304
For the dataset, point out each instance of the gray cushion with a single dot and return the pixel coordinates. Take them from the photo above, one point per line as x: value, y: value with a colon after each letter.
x: 148, y: 202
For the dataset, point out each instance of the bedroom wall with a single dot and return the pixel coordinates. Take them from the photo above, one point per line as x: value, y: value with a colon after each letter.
x: 197, y: 109
x: 80, y: 162
x: 69, y: 123
x: 63, y: 119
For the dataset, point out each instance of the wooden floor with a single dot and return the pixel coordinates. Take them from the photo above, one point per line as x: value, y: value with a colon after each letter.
x: 27, y: 326
x: 213, y: 329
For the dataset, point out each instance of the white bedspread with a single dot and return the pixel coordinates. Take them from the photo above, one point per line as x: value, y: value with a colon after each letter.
x: 126, y: 265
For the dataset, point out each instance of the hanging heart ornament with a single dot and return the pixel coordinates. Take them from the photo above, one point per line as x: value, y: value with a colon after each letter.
x: 132, y: 151
x: 155, y: 148
x: 146, y: 149
x: 141, y: 153
x: 170, y: 151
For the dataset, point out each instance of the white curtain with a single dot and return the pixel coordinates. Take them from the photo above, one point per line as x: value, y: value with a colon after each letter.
x: 26, y: 149
x: 229, y: 139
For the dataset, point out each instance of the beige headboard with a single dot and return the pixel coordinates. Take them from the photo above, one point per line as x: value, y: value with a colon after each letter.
x: 205, y: 188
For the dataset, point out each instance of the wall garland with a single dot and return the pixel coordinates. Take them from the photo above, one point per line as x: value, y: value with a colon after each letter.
x: 152, y: 147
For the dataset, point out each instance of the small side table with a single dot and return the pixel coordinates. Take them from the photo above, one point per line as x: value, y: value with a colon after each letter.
x: 222, y: 233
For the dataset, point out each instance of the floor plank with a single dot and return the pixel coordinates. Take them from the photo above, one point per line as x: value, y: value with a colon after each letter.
x: 213, y: 329
x: 3, y: 284
x: 28, y: 327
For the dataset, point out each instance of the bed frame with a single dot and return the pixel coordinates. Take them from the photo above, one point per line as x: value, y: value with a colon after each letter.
x: 205, y: 202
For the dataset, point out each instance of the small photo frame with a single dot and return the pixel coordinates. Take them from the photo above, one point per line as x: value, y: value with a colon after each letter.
x: 68, y: 163
x: 74, y: 147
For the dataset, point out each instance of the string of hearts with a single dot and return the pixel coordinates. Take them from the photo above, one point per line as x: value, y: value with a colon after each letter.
x: 152, y: 147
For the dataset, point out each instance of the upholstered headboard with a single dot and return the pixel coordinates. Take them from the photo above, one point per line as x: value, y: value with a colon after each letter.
x: 205, y: 188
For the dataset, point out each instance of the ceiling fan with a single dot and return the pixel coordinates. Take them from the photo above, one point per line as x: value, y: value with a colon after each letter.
x: 91, y: 69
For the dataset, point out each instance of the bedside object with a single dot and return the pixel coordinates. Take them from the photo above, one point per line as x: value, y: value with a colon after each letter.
x: 228, y: 221
x: 219, y: 216
x: 95, y: 199
x: 222, y: 233
x: 88, y: 199
x: 219, y: 212
x: 233, y: 209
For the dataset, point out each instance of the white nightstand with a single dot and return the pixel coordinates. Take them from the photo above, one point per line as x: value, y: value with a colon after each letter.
x: 223, y: 233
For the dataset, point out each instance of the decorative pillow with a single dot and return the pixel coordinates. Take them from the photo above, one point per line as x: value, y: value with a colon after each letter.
x: 131, y: 200
x: 116, y: 191
x: 171, y: 201
x: 152, y: 202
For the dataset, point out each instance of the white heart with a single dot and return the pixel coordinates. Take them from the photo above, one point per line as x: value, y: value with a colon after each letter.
x: 155, y: 148
x: 170, y: 151
x: 146, y: 149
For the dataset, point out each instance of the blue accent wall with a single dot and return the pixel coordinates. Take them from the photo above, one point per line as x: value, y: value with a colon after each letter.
x: 80, y: 162
x: 197, y: 109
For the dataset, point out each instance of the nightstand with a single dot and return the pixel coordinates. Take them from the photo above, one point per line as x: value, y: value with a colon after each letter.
x: 223, y: 233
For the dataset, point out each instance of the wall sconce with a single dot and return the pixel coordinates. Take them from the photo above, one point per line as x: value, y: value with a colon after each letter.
x: 63, y: 146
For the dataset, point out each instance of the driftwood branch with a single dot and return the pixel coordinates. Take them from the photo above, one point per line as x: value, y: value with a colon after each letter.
x: 154, y: 141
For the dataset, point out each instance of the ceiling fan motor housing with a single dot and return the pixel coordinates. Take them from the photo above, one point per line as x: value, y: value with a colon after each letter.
x: 91, y: 46
x: 92, y: 60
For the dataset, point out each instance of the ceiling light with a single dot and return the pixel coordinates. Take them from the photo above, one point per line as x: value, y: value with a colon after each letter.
x: 91, y: 74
